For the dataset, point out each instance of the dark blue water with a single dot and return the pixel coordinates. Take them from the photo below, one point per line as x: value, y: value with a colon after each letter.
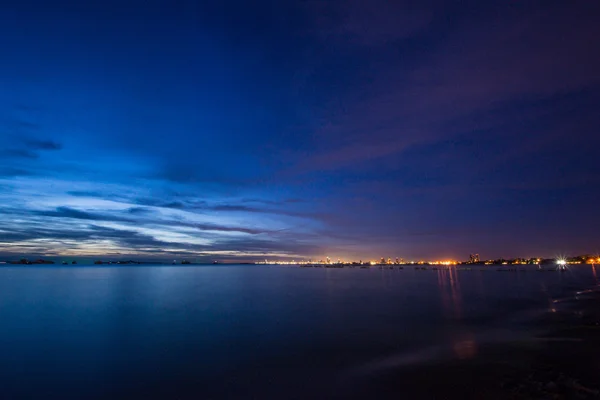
x: 250, y: 331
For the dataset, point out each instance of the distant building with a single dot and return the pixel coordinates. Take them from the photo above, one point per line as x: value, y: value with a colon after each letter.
x: 473, y: 258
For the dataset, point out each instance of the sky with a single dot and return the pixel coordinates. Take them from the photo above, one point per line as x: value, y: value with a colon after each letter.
x: 240, y: 131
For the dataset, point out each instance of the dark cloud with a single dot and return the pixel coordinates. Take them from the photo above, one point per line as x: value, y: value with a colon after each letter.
x: 14, y: 153
x: 124, y: 238
x: 66, y: 212
x: 85, y: 193
x: 256, y: 245
x: 233, y: 207
x: 201, y: 206
x: 40, y: 232
x: 18, y: 153
x: 15, y: 236
x: 70, y: 213
x: 172, y: 204
x: 175, y: 204
x: 137, y: 242
x: 462, y: 84
x: 11, y: 172
x: 274, y: 202
x: 218, y: 228
x: 139, y: 210
x: 43, y: 144
x: 262, y: 210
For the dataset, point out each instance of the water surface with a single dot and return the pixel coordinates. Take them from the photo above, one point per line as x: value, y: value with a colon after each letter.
x: 251, y: 331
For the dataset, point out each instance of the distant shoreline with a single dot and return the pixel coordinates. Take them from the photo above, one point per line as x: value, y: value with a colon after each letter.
x: 397, y: 263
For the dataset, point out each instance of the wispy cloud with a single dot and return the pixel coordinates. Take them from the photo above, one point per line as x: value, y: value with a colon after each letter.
x: 66, y: 212
x: 36, y: 144
x: 18, y: 153
x: 85, y: 193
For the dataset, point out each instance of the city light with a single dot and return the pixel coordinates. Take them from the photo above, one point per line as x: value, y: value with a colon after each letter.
x: 387, y: 262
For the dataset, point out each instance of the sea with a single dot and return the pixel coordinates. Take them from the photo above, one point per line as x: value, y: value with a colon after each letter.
x: 257, y: 331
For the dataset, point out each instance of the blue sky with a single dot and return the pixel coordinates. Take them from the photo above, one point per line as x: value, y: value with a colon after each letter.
x: 238, y: 131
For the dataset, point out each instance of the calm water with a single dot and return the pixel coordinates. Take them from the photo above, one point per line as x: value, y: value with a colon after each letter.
x: 250, y: 331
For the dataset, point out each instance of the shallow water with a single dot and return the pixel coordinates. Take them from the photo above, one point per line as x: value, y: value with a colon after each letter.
x: 252, y: 331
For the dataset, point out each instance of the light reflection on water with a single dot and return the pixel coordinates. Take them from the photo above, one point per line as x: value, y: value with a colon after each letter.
x: 73, y: 330
x: 466, y: 348
x: 449, y: 286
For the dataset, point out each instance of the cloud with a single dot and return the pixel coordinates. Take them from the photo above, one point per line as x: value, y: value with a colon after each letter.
x: 175, y: 204
x: 54, y: 241
x: 261, y: 210
x: 20, y: 235
x: 274, y: 202
x: 11, y: 172
x: 139, y: 210
x: 233, y: 207
x: 84, y: 193
x: 264, y: 246
x: 28, y: 154
x: 201, y: 206
x: 122, y: 238
x: 18, y: 153
x: 66, y: 212
x: 135, y: 240
x: 219, y: 228
x: 461, y: 84
x: 43, y: 144
x: 70, y: 213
